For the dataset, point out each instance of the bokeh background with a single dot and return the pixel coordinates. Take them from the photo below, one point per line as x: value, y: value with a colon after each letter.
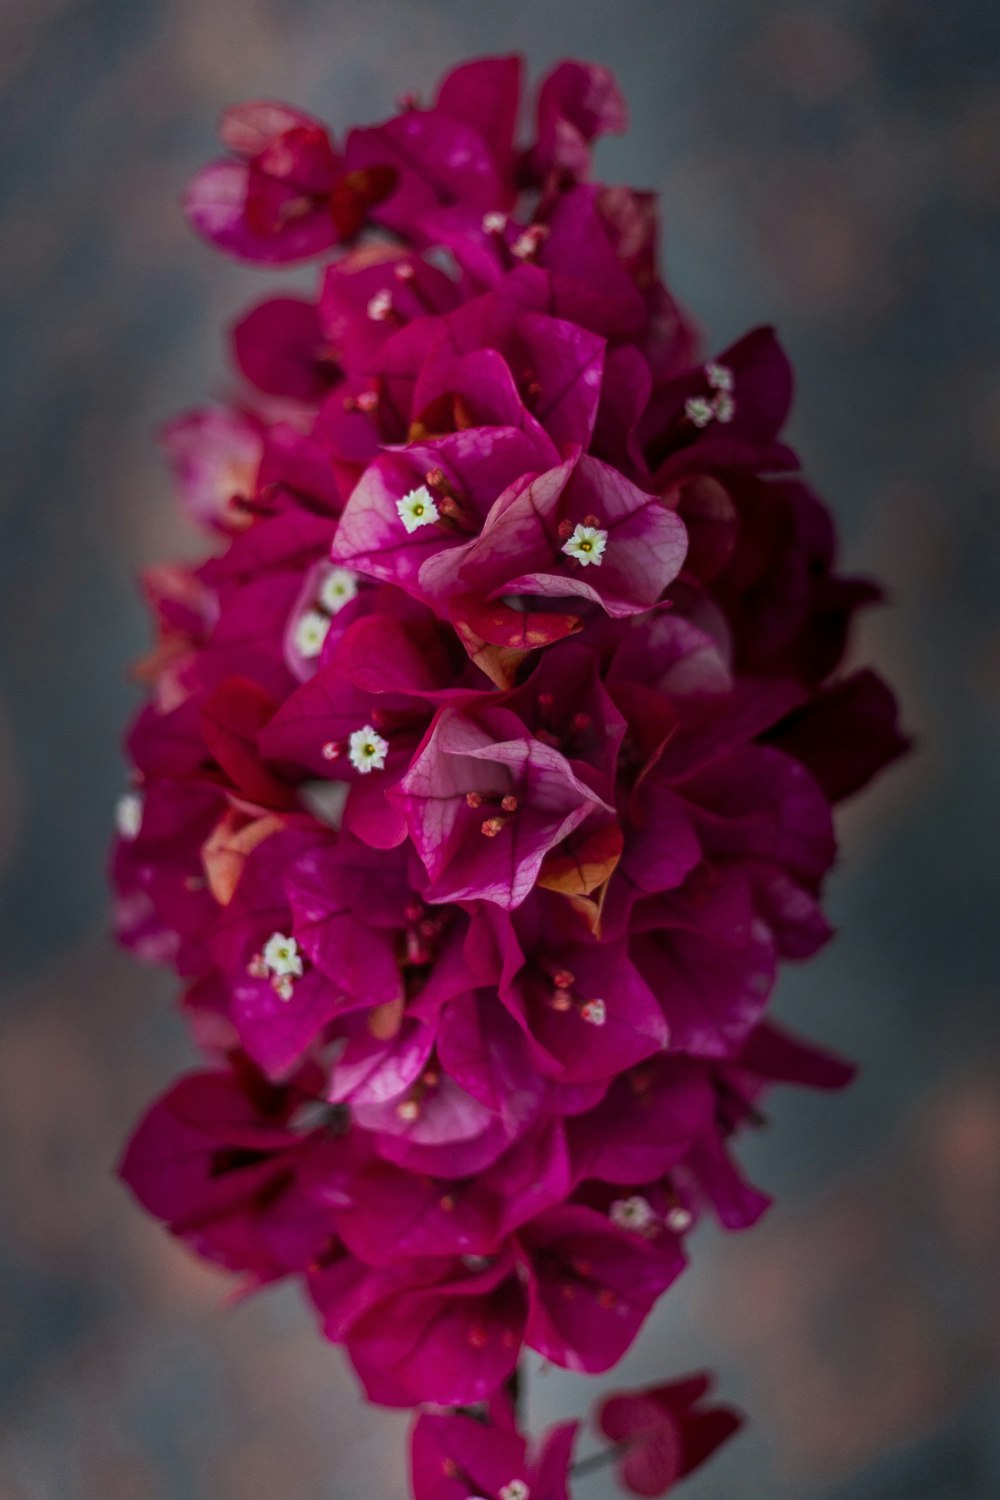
x: 833, y: 167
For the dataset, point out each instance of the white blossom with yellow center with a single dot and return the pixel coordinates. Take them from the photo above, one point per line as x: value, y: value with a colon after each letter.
x: 418, y: 508
x: 586, y: 545
x: 310, y: 632
x: 282, y: 957
x: 338, y: 588
x: 367, y: 750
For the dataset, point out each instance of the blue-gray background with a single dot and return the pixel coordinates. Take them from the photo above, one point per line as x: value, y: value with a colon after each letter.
x: 833, y: 167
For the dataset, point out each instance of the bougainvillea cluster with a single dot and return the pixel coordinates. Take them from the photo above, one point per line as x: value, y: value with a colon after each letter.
x: 486, y: 775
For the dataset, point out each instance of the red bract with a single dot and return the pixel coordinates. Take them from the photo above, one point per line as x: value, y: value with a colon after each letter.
x: 486, y: 780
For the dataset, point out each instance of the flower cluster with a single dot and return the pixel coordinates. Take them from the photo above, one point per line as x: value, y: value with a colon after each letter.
x: 486, y: 775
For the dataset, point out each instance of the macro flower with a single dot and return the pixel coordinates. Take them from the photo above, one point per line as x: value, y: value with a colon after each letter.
x: 487, y: 776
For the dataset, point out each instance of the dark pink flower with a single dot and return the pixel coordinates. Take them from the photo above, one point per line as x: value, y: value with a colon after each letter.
x: 665, y: 1432
x: 458, y: 1457
x: 285, y: 193
x: 214, y: 456
x: 484, y: 802
x: 591, y: 1285
x: 577, y: 532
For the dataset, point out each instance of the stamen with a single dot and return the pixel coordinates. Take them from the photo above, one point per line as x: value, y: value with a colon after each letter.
x: 586, y: 545
x: 679, y: 1220
x: 367, y: 402
x: 493, y: 826
x: 332, y: 750
x: 561, y: 1000
x: 367, y: 750
x: 417, y: 508
x: 473, y: 799
x: 404, y: 271
x: 408, y: 1110
x: 509, y: 804
x: 563, y: 979
x: 494, y: 222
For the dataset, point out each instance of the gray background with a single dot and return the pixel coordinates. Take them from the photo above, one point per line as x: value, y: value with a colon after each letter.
x: 833, y: 167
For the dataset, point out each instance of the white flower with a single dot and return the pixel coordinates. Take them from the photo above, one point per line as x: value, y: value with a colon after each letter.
x: 632, y: 1213
x: 587, y: 545
x: 310, y: 632
x: 595, y: 1012
x: 367, y: 750
x: 338, y: 588
x: 724, y: 407
x: 516, y: 1490
x: 281, y: 955
x: 418, y: 508
x: 128, y: 815
x: 699, y: 410
x: 719, y: 377
x: 380, y: 306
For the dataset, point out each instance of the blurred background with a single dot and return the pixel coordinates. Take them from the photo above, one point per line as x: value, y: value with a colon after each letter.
x: 833, y: 167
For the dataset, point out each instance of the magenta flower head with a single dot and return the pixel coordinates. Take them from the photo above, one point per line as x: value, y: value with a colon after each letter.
x: 487, y: 774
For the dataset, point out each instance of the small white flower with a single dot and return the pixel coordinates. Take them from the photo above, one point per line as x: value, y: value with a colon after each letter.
x: 310, y: 632
x: 128, y: 815
x: 418, y: 508
x: 338, y: 588
x: 632, y: 1213
x: 380, y: 306
x: 367, y: 750
x: 516, y: 1490
x: 679, y: 1219
x: 724, y: 407
x: 587, y: 545
x: 281, y: 956
x: 494, y: 222
x: 595, y: 1012
x: 698, y: 410
x: 719, y: 377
